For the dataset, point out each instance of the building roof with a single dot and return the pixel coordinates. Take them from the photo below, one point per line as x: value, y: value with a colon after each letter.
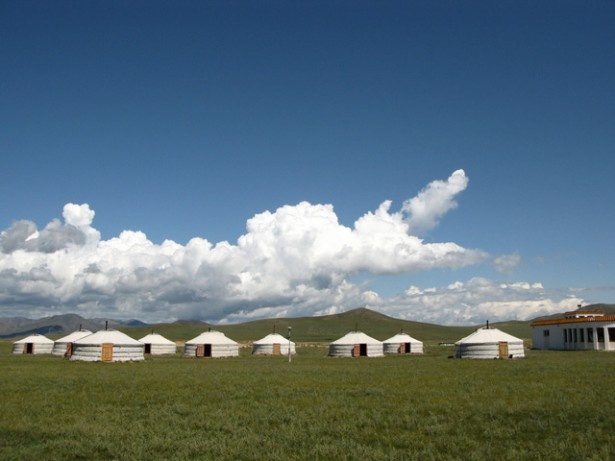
x: 273, y: 338
x: 356, y: 337
x: 211, y: 337
x: 571, y: 319
x: 155, y: 338
x: 401, y: 338
x: 74, y: 336
x: 488, y: 336
x: 35, y: 338
x: 108, y: 336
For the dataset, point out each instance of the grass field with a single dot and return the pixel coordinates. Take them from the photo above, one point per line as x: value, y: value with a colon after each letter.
x: 548, y: 406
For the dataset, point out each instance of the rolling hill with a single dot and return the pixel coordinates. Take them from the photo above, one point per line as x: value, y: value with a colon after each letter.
x: 304, y: 329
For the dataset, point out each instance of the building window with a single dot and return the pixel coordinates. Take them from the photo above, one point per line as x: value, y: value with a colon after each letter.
x: 590, y: 335
x: 565, y: 335
x: 600, y: 334
x: 581, y: 335
x: 575, y: 334
x: 545, y: 333
x: 611, y: 334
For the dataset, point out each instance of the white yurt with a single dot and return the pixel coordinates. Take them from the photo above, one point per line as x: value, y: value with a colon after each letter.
x: 33, y: 344
x: 107, y: 346
x: 64, y: 345
x: 211, y: 344
x: 356, y: 344
x: 402, y: 343
x: 489, y: 343
x: 156, y: 344
x: 273, y: 344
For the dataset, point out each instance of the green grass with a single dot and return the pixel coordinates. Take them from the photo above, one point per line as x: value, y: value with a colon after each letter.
x: 551, y: 405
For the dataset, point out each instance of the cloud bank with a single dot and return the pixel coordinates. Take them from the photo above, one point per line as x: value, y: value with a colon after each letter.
x: 295, y: 261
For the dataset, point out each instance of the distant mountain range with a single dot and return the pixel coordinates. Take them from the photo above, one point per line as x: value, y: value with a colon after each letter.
x: 312, y: 328
x: 57, y: 324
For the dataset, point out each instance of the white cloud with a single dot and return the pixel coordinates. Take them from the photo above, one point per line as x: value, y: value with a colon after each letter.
x: 506, y: 264
x: 294, y: 261
x: 477, y: 301
x: 433, y: 202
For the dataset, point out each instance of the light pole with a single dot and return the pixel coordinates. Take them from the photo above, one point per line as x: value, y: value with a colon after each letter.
x: 289, y: 330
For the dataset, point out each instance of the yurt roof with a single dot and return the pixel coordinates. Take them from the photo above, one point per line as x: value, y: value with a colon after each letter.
x: 74, y: 336
x: 401, y: 338
x: 35, y: 338
x: 488, y: 335
x: 155, y: 338
x: 108, y: 336
x: 211, y: 337
x: 273, y: 338
x: 356, y: 337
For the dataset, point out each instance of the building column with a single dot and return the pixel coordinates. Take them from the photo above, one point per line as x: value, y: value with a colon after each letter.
x: 595, y: 338
x: 606, y: 338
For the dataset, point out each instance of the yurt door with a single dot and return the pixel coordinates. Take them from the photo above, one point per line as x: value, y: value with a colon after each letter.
x: 207, y: 351
x: 356, y: 351
x: 148, y: 348
x: 107, y: 352
x: 503, y: 349
x: 69, y: 350
x: 29, y: 349
x: 407, y: 348
x: 200, y: 350
x: 277, y: 349
x: 363, y: 350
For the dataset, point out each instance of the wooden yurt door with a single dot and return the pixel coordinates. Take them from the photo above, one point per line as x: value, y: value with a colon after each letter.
x: 356, y: 351
x: 503, y: 349
x: 106, y: 354
x: 69, y: 350
x: 200, y: 350
x: 277, y: 349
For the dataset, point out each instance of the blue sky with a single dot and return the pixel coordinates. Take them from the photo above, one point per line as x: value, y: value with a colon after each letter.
x: 184, y: 120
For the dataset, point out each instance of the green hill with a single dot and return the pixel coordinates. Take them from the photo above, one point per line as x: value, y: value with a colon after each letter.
x: 327, y: 328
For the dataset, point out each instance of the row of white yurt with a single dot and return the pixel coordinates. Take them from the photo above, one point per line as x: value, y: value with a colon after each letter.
x: 358, y: 344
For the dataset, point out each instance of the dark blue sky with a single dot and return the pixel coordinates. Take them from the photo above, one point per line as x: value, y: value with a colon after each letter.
x: 185, y: 119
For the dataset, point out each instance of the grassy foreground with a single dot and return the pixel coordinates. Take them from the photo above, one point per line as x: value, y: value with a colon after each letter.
x: 551, y: 405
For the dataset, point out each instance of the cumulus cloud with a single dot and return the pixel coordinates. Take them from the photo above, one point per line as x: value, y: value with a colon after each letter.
x: 478, y: 300
x: 433, y: 202
x: 294, y: 261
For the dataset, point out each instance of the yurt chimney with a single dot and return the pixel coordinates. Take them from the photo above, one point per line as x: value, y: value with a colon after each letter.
x: 106, y: 324
x: 487, y: 327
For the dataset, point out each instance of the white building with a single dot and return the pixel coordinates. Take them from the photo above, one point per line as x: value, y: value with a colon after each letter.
x: 356, y: 344
x: 211, y: 344
x: 489, y: 343
x: 107, y: 346
x: 64, y: 345
x: 578, y: 330
x: 402, y: 343
x: 273, y: 344
x: 33, y: 344
x: 156, y: 344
